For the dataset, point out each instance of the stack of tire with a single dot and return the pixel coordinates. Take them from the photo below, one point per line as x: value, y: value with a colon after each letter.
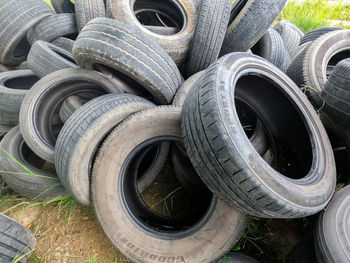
x: 94, y: 103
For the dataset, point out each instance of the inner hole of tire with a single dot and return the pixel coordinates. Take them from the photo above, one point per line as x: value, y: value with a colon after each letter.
x: 335, y: 59
x: 236, y: 9
x: 21, y: 82
x: 123, y: 82
x: 29, y: 157
x: 164, y: 207
x: 163, y: 13
x: 287, y: 133
x: 22, y: 48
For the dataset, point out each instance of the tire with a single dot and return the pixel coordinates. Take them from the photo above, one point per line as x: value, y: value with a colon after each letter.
x: 26, y: 175
x: 295, y: 70
x: 53, y: 27
x: 45, y: 58
x: 91, y: 123
x: 316, y: 33
x: 161, y: 30
x: 212, y: 21
x: 181, y: 94
x: 301, y: 48
x: 236, y: 258
x: 336, y: 94
x: 14, y: 85
x: 23, y: 65
x: 303, y: 251
x: 318, y: 61
x: 40, y: 131
x: 290, y: 35
x: 271, y: 48
x: 230, y: 166
x: 16, y: 18
x: 248, y: 23
x: 69, y: 106
x: 133, y: 57
x: 182, y: 12
x: 87, y: 10
x: 3, y: 68
x: 62, y: 6
x: 17, y: 241
x: 332, y: 235
x: 130, y: 233
x: 64, y: 43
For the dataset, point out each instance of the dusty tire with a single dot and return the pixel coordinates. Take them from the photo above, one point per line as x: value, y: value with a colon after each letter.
x: 248, y: 23
x: 200, y: 241
x: 53, y: 27
x: 17, y: 241
x: 316, y: 33
x: 25, y: 176
x: 82, y: 135
x: 17, y: 17
x: 62, y: 6
x: 40, y: 131
x: 236, y: 258
x: 182, y: 12
x: 3, y: 68
x: 45, y: 58
x: 64, y: 43
x: 225, y: 159
x: 14, y: 85
x: 332, y: 231
x: 271, y: 48
x: 212, y: 21
x: 336, y: 94
x: 181, y: 94
x: 87, y: 10
x: 69, y: 106
x: 133, y: 57
x: 161, y: 30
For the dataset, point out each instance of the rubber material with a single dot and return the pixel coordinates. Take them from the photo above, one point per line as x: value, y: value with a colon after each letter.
x: 87, y: 10
x: 316, y: 33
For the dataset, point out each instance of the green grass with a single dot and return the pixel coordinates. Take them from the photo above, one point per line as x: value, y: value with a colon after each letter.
x: 313, y: 14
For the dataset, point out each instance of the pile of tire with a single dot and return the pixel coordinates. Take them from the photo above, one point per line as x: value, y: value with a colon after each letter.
x: 96, y: 97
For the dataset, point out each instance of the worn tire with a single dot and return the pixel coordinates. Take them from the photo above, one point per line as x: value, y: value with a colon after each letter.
x: 87, y: 10
x: 45, y: 58
x: 161, y: 30
x: 127, y: 50
x: 16, y: 18
x: 40, y: 131
x: 181, y: 94
x: 69, y: 106
x: 53, y: 27
x: 177, y: 45
x: 236, y: 258
x: 17, y: 241
x: 212, y: 21
x: 82, y: 134
x: 64, y: 43
x: 332, y: 231
x: 203, y: 241
x: 25, y: 175
x: 271, y: 48
x: 316, y: 33
x: 222, y: 155
x: 248, y: 23
x: 62, y: 6
x: 3, y: 68
x: 14, y: 85
x: 295, y: 70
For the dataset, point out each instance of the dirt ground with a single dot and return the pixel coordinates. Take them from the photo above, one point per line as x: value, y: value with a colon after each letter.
x: 78, y: 238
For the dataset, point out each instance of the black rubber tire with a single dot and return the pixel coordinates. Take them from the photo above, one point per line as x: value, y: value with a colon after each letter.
x: 17, y: 241
x: 3, y: 68
x: 139, y: 241
x: 53, y: 27
x: 39, y: 116
x: 212, y: 21
x: 303, y: 251
x: 336, y: 94
x: 14, y: 85
x: 162, y: 30
x: 290, y: 35
x: 316, y: 33
x: 177, y: 45
x: 91, y: 123
x: 45, y: 58
x: 127, y: 50
x: 62, y: 6
x: 271, y: 48
x: 248, y: 23
x: 236, y: 258
x: 16, y: 18
x: 64, y: 43
x: 312, y: 66
x: 225, y: 159
x: 4, y: 129
x: 295, y: 70
x: 69, y: 106
x: 23, y: 65
x: 332, y: 231
x: 181, y: 94
x: 24, y: 175
x: 87, y: 10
